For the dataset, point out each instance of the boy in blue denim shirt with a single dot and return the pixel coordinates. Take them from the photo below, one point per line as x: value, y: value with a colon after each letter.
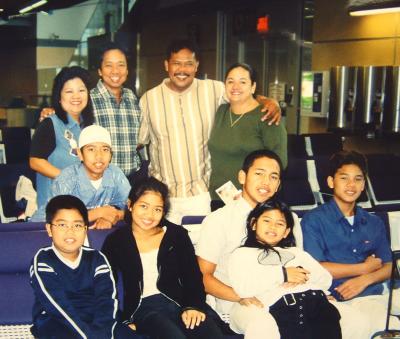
x: 350, y: 242
x: 102, y: 186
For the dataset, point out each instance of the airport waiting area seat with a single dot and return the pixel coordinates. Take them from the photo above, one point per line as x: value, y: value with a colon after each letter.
x: 16, y: 295
x: 318, y: 144
x: 384, y: 181
x: 296, y: 147
x: 9, y: 176
x: 16, y: 138
x: 296, y: 189
x: 192, y: 224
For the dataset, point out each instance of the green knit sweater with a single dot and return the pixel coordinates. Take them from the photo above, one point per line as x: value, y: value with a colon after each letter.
x: 229, y: 146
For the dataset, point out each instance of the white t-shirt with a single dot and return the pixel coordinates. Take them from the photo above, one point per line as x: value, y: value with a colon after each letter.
x: 150, y: 272
x: 96, y: 183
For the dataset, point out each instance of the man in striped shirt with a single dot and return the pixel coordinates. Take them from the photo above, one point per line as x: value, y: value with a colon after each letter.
x: 177, y: 118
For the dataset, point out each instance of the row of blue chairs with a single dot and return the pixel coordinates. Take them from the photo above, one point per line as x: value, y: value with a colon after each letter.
x: 305, y: 179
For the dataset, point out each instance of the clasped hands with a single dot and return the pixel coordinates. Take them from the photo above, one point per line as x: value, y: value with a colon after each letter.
x: 295, y: 276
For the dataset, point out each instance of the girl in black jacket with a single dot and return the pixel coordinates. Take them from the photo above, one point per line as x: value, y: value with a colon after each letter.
x: 163, y: 290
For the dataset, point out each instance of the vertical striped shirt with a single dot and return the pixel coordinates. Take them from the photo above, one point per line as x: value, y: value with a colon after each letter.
x: 122, y: 121
x: 178, y: 125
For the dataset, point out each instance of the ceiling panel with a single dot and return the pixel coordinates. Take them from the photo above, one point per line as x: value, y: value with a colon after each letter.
x: 11, y: 7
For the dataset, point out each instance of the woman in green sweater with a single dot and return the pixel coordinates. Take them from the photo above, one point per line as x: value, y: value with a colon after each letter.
x: 238, y: 130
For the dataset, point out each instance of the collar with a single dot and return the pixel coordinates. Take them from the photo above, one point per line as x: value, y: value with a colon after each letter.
x: 73, y: 264
x: 194, y: 84
x: 107, y: 176
x: 359, y: 217
x: 105, y: 92
x: 72, y: 123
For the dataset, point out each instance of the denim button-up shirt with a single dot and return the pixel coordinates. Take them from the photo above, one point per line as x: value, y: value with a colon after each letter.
x: 328, y: 236
x: 113, y: 191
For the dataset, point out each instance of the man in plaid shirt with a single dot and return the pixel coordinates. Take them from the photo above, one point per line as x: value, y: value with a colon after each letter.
x: 117, y: 109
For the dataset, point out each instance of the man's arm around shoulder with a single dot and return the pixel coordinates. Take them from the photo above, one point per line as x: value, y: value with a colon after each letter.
x: 213, y: 285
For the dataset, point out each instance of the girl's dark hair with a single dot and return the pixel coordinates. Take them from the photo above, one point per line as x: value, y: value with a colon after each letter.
x: 248, y: 68
x: 66, y: 74
x: 145, y: 185
x: 269, y: 205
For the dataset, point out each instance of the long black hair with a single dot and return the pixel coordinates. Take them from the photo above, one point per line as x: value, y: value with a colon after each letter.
x: 66, y: 74
x: 269, y: 205
x: 150, y: 184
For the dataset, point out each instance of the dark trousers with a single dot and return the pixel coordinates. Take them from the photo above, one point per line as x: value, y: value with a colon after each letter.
x: 306, y: 315
x: 160, y: 318
x: 56, y: 330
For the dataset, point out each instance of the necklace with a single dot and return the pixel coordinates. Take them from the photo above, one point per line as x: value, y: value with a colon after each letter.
x: 234, y: 122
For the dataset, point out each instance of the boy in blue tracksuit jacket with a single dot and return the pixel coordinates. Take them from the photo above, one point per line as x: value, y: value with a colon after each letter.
x: 75, y: 294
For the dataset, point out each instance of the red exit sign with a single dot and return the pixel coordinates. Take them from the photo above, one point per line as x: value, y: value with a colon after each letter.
x: 263, y: 24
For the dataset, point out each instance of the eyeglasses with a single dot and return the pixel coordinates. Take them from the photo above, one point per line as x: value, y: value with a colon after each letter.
x: 75, y: 227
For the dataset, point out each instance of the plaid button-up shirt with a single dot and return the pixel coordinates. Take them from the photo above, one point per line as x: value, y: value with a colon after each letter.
x: 122, y: 121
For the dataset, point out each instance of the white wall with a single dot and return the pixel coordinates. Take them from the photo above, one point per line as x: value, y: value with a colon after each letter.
x: 67, y: 24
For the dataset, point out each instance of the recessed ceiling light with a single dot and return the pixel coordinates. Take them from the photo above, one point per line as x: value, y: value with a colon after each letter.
x: 371, y: 7
x: 34, y: 5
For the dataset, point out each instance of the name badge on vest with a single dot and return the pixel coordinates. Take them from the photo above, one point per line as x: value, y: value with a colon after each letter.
x: 72, y: 142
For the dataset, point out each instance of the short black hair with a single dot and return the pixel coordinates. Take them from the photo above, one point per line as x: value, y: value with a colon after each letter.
x: 149, y: 184
x: 342, y: 158
x: 66, y: 74
x: 261, y: 153
x: 68, y: 202
x: 176, y: 45
x: 108, y: 47
x: 248, y: 68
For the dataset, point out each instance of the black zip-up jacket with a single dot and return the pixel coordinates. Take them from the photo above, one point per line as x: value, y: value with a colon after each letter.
x: 179, y: 276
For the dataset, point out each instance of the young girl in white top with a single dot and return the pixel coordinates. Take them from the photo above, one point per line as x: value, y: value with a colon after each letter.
x: 287, y: 281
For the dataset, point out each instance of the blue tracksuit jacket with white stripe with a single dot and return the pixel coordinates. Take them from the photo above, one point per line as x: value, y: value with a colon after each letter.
x: 83, y: 299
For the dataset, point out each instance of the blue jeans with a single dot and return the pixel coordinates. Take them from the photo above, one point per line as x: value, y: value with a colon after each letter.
x: 160, y: 318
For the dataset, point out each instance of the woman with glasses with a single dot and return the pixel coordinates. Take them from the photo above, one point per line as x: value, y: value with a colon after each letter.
x: 55, y: 142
